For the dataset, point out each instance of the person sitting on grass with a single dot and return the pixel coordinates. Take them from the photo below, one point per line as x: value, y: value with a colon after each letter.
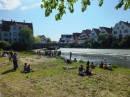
x: 109, y: 67
x: 101, y: 65
x: 105, y: 66
x: 29, y: 69
x: 81, y: 71
x: 89, y: 71
x: 75, y: 60
x: 92, y: 65
x: 25, y: 67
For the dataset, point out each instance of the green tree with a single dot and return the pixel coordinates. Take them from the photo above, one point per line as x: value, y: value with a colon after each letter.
x: 4, y: 44
x: 48, y: 40
x: 102, y: 39
x: 37, y: 39
x: 61, y: 5
x: 125, y: 42
x: 27, y: 34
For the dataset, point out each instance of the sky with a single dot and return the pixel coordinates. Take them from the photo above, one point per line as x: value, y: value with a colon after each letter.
x: 93, y: 17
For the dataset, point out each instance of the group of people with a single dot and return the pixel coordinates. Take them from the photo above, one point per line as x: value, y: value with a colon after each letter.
x: 51, y: 53
x: 105, y: 65
x: 27, y: 68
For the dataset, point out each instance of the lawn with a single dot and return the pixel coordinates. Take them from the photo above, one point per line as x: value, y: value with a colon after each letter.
x: 51, y: 80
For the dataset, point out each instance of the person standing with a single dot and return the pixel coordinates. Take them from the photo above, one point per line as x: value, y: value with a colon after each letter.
x: 15, y: 61
x: 70, y: 55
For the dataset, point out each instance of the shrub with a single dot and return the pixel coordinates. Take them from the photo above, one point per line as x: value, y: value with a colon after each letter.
x: 4, y: 44
x: 81, y: 61
x: 114, y: 66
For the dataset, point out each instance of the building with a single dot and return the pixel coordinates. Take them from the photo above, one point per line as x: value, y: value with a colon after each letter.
x: 43, y: 39
x: 75, y: 38
x: 65, y: 38
x: 84, y: 35
x: 121, y: 29
x: 11, y: 31
x: 105, y: 30
x: 94, y: 34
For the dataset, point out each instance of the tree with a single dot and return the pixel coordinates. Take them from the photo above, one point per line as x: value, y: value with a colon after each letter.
x: 125, y: 42
x: 61, y: 5
x: 102, y: 38
x: 37, y: 39
x: 48, y: 40
x: 4, y: 44
x: 27, y: 33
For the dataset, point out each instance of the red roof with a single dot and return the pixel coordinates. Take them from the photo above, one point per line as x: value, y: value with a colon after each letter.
x: 6, y: 25
x: 109, y: 30
x: 97, y: 31
x: 87, y: 32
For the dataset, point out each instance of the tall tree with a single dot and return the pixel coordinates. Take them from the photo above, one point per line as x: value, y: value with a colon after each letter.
x: 61, y: 5
x: 27, y: 34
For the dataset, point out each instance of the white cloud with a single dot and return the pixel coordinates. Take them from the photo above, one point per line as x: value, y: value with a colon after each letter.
x: 31, y: 6
x: 9, y: 4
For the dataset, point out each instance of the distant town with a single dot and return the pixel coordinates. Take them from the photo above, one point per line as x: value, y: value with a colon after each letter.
x: 10, y: 31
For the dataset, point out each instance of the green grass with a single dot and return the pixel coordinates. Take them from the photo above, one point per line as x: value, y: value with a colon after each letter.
x: 51, y: 80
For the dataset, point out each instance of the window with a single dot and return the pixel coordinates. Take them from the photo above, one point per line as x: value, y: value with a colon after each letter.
x: 103, y: 32
x: 122, y: 27
x: 120, y: 23
x: 93, y: 34
x: 5, y: 34
x: 126, y: 31
x: 120, y: 31
x: 115, y: 32
x: 15, y: 34
x: 120, y: 36
x: 117, y: 28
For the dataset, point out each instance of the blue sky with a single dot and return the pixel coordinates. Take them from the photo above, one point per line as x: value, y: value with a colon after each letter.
x: 93, y: 17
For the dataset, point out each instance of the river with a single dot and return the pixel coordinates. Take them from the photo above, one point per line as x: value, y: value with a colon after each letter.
x: 98, y: 55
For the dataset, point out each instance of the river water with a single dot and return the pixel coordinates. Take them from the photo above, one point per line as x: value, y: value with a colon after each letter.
x: 98, y: 55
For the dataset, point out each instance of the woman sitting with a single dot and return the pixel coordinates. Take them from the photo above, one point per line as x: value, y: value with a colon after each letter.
x: 29, y: 69
x: 105, y: 66
x: 25, y: 67
x: 81, y: 71
x: 89, y: 71
x: 75, y: 60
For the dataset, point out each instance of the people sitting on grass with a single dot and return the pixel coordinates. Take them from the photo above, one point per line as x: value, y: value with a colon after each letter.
x: 109, y: 66
x: 81, y: 71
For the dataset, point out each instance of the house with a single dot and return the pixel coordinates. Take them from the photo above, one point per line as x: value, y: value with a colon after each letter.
x: 74, y: 38
x: 43, y: 39
x: 84, y: 35
x: 11, y: 31
x: 65, y: 38
x: 105, y: 30
x: 121, y: 29
x: 94, y: 34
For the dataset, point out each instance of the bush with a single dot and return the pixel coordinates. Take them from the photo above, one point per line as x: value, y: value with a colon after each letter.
x: 4, y: 44
x: 81, y: 61
x: 114, y: 66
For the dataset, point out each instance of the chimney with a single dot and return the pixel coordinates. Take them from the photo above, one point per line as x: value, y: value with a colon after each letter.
x: 127, y: 22
x: 24, y: 21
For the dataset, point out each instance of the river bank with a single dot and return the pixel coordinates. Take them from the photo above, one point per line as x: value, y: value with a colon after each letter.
x: 50, y: 79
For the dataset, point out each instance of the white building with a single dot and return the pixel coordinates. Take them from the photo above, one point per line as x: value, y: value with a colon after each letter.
x: 105, y: 30
x: 121, y: 29
x: 65, y: 38
x: 94, y: 34
x: 11, y: 31
x: 43, y: 39
x: 84, y: 35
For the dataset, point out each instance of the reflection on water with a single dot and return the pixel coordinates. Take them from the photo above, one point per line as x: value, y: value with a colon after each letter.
x: 98, y: 55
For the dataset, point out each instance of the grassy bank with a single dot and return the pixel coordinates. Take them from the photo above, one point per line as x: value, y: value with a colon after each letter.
x: 50, y: 80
